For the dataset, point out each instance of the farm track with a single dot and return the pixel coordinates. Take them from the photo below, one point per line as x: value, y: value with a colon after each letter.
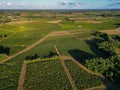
x: 103, y: 87
x: 66, y: 70
x: 22, y: 76
x: 109, y: 84
x: 26, y: 49
x: 52, y: 34
x: 112, y: 31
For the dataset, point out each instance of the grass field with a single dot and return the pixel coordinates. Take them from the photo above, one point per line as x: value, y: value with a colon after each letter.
x: 2, y: 56
x: 10, y: 71
x: 105, y: 25
x: 26, y: 34
x: 76, y: 48
x: 73, y: 47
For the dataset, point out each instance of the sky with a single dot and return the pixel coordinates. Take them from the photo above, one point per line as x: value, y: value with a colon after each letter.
x: 59, y: 4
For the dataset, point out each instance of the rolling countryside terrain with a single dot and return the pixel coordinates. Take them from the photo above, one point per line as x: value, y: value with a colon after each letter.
x: 59, y: 50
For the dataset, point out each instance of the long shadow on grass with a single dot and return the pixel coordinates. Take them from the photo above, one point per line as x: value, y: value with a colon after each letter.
x: 93, y: 46
x: 117, y: 25
x: 4, y: 50
x: 79, y: 55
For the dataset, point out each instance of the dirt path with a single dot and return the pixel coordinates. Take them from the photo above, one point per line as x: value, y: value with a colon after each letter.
x: 113, y: 31
x: 52, y: 34
x: 63, y: 58
x: 20, y: 22
x: 26, y: 49
x: 22, y: 76
x: 109, y: 84
x: 66, y: 70
x: 56, y: 49
x: 97, y: 88
x: 54, y: 21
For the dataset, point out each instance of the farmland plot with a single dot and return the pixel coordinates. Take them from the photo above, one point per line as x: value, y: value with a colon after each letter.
x: 83, y: 79
x: 10, y: 71
x: 46, y: 75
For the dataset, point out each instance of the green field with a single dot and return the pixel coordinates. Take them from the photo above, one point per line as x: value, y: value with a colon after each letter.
x: 83, y: 79
x: 2, y: 56
x: 46, y: 75
x: 27, y: 27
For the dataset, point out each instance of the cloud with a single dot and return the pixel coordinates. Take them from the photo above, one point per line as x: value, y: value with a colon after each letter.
x: 0, y: 4
x: 8, y: 4
x: 5, y: 4
x: 64, y: 3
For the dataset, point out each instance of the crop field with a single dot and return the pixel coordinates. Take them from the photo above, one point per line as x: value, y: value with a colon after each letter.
x: 13, y: 67
x: 25, y: 36
x: 105, y: 25
x: 30, y: 36
x: 82, y: 79
x: 76, y: 48
x: 2, y: 57
x: 46, y: 75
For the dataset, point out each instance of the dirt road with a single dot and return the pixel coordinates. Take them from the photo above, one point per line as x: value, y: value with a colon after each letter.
x: 22, y: 76
x: 66, y: 70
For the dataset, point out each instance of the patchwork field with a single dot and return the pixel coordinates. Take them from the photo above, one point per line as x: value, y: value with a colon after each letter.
x: 31, y: 36
x: 83, y: 79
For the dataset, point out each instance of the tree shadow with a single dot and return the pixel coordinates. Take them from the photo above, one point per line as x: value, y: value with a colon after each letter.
x: 80, y: 56
x: 4, y: 50
x: 35, y: 56
x: 117, y: 25
x: 93, y: 46
x: 50, y: 54
x: 32, y: 57
x: 101, y: 35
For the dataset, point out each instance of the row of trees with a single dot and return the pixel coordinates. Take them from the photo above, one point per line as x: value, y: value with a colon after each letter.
x: 109, y: 44
x: 35, y: 56
x: 110, y: 67
x: 109, y: 47
x: 5, y: 20
x: 3, y: 36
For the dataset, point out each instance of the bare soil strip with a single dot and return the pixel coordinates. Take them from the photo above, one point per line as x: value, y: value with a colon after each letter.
x: 52, y: 34
x: 22, y: 76
x: 97, y: 88
x: 54, y: 22
x: 56, y: 49
x: 26, y: 49
x: 60, y: 33
x: 66, y: 70
x: 20, y: 22
x: 63, y: 33
x: 113, y: 31
x: 109, y: 84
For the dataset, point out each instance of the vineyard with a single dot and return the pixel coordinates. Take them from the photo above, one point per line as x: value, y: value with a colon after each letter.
x: 77, y: 35
x: 46, y: 75
x: 83, y: 79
